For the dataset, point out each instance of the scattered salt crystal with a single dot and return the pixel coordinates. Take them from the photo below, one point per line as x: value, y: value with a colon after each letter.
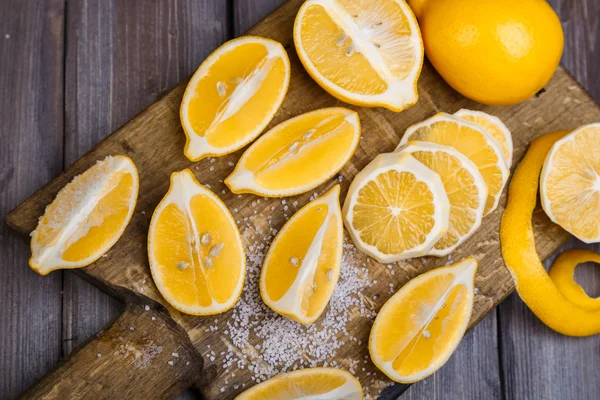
x: 147, y: 308
x: 153, y: 318
x: 230, y: 164
x: 99, y: 355
x: 131, y: 328
x: 170, y: 362
x: 175, y: 354
x: 211, y: 168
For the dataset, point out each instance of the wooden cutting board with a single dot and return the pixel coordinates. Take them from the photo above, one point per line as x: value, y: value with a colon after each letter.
x: 153, y: 351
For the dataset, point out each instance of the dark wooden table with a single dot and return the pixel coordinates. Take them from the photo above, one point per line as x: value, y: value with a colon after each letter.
x: 71, y: 72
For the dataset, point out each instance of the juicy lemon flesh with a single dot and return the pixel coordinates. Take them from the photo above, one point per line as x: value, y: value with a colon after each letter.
x: 294, y: 387
x: 422, y: 325
x: 463, y: 194
x: 472, y: 144
x: 394, y: 212
x: 103, y: 223
x: 493, y: 130
x: 281, y: 273
x: 175, y: 243
x: 573, y: 184
x: 218, y: 117
x: 382, y: 25
x: 280, y: 162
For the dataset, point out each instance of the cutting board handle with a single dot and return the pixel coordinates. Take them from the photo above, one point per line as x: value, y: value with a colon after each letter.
x: 143, y: 354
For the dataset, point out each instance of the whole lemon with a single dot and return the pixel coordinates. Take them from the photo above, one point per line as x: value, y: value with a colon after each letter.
x: 496, y: 52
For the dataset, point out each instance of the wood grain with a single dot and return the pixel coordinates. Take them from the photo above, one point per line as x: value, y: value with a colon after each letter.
x: 537, y: 362
x: 31, y: 136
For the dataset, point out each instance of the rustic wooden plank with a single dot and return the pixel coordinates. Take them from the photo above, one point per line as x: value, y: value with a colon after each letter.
x: 31, y: 136
x: 154, y: 140
x: 536, y: 361
x: 121, y: 57
x: 473, y: 371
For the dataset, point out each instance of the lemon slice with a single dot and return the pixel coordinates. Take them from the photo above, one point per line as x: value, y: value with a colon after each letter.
x: 233, y: 96
x: 302, y: 266
x: 87, y: 217
x: 297, y: 155
x: 419, y: 327
x: 307, y: 384
x: 471, y: 140
x: 363, y: 53
x: 570, y: 183
x: 195, y: 250
x: 494, y: 126
x: 396, y: 208
x: 466, y: 190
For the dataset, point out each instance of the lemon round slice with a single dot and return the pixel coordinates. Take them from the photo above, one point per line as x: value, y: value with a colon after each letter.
x: 364, y: 53
x: 570, y: 183
x: 297, y: 155
x: 396, y: 208
x: 87, y: 217
x: 233, y: 96
x: 308, y: 384
x: 418, y: 328
x: 302, y: 266
x: 471, y: 140
x: 466, y: 190
x: 494, y: 126
x: 195, y: 250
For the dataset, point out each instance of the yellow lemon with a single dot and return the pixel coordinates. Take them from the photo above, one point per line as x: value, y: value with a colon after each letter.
x: 418, y: 328
x: 87, y: 217
x: 309, y: 383
x: 495, y: 52
x: 570, y: 183
x: 297, y: 155
x: 233, y: 96
x: 195, y: 250
x: 302, y: 265
x: 364, y: 52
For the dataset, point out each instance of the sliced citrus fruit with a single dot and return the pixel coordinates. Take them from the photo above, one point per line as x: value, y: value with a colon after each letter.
x: 233, y: 96
x: 471, y: 140
x: 195, y: 250
x: 307, y: 384
x: 396, y: 208
x: 466, y: 190
x: 418, y: 328
x: 87, y: 217
x: 297, y: 155
x: 367, y: 53
x: 494, y: 126
x: 302, y: 265
x: 545, y: 296
x: 570, y: 183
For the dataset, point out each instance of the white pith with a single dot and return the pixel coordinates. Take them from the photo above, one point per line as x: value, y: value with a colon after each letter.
x: 49, y: 258
x: 492, y: 143
x: 400, y: 163
x: 499, y: 124
x: 464, y: 274
x: 400, y: 92
x: 183, y: 188
x: 197, y: 146
x: 547, y: 168
x: 477, y: 178
x: 291, y: 302
x: 242, y: 180
x: 350, y: 390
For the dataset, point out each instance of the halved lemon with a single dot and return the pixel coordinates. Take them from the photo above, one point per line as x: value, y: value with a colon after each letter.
x: 418, y: 328
x: 87, y: 217
x: 233, y: 96
x: 396, y: 208
x: 297, y: 155
x: 367, y: 53
x: 570, y: 183
x: 308, y: 384
x: 466, y: 190
x: 302, y: 266
x: 494, y: 126
x: 471, y: 140
x: 195, y: 250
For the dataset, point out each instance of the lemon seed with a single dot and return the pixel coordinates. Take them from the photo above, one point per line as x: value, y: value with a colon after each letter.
x: 221, y: 89
x: 427, y: 334
x: 216, y: 249
x: 237, y: 80
x: 294, y: 147
x: 294, y: 261
x: 206, y: 239
x: 341, y: 40
x: 308, y: 134
x: 329, y: 274
x: 182, y: 265
x: 208, y: 262
x: 350, y: 50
